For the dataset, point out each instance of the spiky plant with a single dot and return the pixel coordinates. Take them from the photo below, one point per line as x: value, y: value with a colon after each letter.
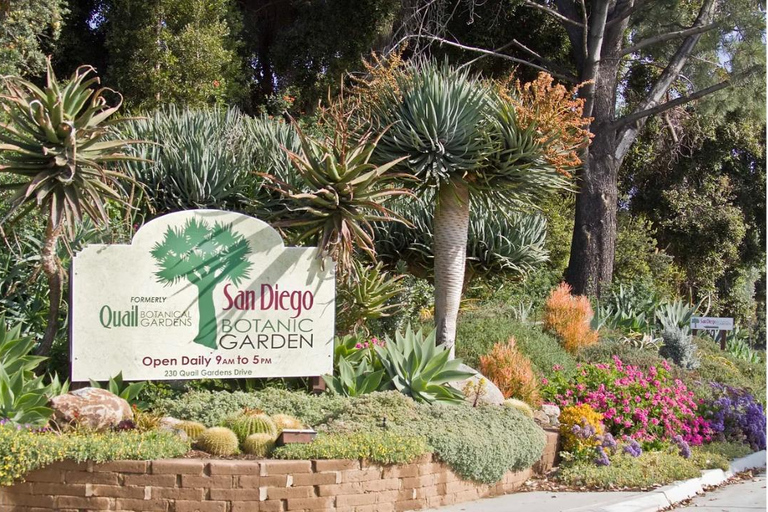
x: 367, y: 296
x: 258, y: 444
x: 193, y: 429
x: 461, y: 140
x: 251, y: 422
x: 284, y: 421
x: 218, y: 441
x: 55, y: 148
x: 340, y: 191
x: 204, y: 255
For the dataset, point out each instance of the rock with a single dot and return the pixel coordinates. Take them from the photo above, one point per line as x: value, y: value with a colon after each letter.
x: 492, y: 395
x: 168, y: 423
x: 541, y: 419
x: 94, y: 408
x: 553, y: 412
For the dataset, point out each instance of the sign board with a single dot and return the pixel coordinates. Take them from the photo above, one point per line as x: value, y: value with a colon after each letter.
x: 707, y: 323
x: 201, y: 294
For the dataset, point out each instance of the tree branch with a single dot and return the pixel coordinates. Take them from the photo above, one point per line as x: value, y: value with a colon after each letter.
x: 626, y: 13
x: 669, y: 35
x: 553, y: 13
x: 594, y: 54
x: 636, y: 116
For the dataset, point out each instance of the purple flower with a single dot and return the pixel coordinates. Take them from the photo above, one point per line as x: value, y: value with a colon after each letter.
x: 602, y: 457
x: 685, y: 450
x: 633, y: 448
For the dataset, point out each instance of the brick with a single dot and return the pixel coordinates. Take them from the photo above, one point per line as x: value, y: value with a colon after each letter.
x: 353, y: 500
x: 410, y: 505
x: 406, y: 494
x: 142, y: 505
x: 201, y: 506
x: 208, y: 482
x: 115, y: 491
x: 333, y: 477
x: 388, y: 497
x: 271, y: 506
x: 419, y: 481
x: 339, y: 489
x: 434, y: 501
x: 282, y: 493
x: 153, y: 480
x: 92, y: 503
x: 59, y: 489
x: 81, y: 477
x: 335, y: 465
x: 445, y: 477
x: 285, y: 467
x: 235, y: 495
x: 427, y: 492
x: 252, y: 482
x: 244, y: 506
x: 390, y: 484
x: 70, y: 465
x: 178, y: 467
x: 410, y: 470
x: 234, y: 467
x: 22, y: 488
x: 431, y: 468
x: 310, y: 503
x: 457, y: 486
x: 46, y: 475
x: 122, y: 466
x: 27, y: 500
x: 165, y: 493
x: 360, y: 475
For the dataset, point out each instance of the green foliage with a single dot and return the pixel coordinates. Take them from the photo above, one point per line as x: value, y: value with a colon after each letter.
x: 727, y: 450
x: 250, y: 422
x: 23, y: 397
x: 419, y: 368
x: 218, y: 441
x: 725, y: 368
x: 498, y: 242
x: 30, y: 28
x: 478, y: 332
x: 680, y: 348
x: 22, y: 451
x: 173, y: 51
x: 378, y: 447
x: 258, y: 444
x: 126, y: 391
x: 356, y: 380
x: 630, y: 355
x: 647, y: 470
x: 193, y: 429
x: 367, y: 295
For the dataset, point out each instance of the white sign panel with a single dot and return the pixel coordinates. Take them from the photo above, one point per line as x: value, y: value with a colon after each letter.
x: 201, y: 294
x: 711, y: 323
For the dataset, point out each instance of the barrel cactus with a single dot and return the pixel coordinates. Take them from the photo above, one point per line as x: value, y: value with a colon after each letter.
x: 251, y: 422
x: 193, y: 429
x: 283, y: 421
x: 258, y: 444
x: 218, y: 441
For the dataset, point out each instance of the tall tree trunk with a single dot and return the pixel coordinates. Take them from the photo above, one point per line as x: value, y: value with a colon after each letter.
x: 52, y: 269
x: 451, y: 225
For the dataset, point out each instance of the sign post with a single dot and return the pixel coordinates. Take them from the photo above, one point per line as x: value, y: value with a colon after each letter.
x: 722, y: 325
x: 202, y: 294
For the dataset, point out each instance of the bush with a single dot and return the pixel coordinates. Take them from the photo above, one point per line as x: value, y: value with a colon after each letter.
x: 680, y: 348
x: 574, y: 420
x: 478, y: 333
x: 725, y: 449
x: 650, y: 469
x: 725, y: 368
x: 569, y: 317
x: 381, y: 447
x: 511, y: 371
x: 629, y: 355
x: 22, y: 451
x: 734, y: 415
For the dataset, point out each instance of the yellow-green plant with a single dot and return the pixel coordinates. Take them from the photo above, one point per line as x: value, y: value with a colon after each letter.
x: 193, y: 429
x: 283, y: 421
x: 258, y: 444
x: 580, y: 426
x: 251, y: 422
x: 55, y: 147
x: 367, y: 294
x: 218, y: 441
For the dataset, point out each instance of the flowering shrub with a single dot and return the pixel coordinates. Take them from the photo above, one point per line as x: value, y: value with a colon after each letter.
x: 569, y: 318
x: 511, y: 371
x: 647, y: 406
x: 579, y: 424
x: 735, y: 415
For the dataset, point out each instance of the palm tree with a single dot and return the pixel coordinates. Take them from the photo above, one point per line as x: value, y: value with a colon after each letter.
x: 54, y: 146
x: 205, y: 256
x: 463, y: 143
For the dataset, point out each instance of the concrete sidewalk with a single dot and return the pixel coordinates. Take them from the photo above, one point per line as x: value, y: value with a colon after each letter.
x: 541, y: 501
x: 746, y: 496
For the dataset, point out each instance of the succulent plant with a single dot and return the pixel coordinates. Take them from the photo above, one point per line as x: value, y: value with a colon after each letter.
x: 251, y: 422
x: 283, y: 421
x: 258, y: 444
x: 521, y: 406
x: 193, y: 429
x: 218, y: 441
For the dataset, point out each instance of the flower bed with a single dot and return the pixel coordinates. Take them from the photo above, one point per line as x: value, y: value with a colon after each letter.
x: 245, y: 485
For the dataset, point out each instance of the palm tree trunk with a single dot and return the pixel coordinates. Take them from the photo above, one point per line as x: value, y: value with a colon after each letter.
x: 52, y: 269
x: 451, y: 225
x: 207, y: 332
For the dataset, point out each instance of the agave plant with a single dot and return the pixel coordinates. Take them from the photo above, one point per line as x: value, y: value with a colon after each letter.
x: 341, y: 192
x: 420, y: 369
x: 354, y: 380
x: 460, y: 140
x: 55, y: 146
x: 115, y: 385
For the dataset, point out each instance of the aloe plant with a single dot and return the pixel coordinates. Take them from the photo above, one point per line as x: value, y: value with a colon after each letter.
x: 368, y: 295
x: 116, y: 386
x: 420, y: 369
x: 55, y: 146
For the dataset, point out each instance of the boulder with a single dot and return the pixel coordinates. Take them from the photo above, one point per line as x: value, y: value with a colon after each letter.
x: 553, y: 412
x: 541, y: 419
x: 492, y: 395
x: 94, y: 408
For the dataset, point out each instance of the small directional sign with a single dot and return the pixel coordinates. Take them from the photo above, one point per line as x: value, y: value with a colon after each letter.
x: 711, y: 323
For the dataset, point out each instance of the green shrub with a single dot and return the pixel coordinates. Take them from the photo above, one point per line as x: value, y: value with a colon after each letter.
x: 477, y: 333
x: 728, y: 450
x: 605, y: 350
x: 679, y: 346
x: 704, y: 459
x: 382, y: 447
x: 22, y: 451
x: 724, y: 368
x: 648, y: 470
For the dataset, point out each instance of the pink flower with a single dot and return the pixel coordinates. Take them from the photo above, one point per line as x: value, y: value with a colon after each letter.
x: 544, y: 382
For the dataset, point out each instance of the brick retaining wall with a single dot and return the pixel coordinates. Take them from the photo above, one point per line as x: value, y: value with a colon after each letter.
x: 209, y: 485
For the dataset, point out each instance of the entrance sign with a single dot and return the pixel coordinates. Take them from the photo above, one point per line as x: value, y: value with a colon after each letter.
x: 707, y: 323
x: 201, y: 294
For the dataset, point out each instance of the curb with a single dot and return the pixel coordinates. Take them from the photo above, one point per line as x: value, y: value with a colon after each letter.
x: 669, y: 495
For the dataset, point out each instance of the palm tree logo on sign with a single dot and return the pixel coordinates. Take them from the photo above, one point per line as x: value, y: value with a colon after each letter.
x: 205, y: 256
